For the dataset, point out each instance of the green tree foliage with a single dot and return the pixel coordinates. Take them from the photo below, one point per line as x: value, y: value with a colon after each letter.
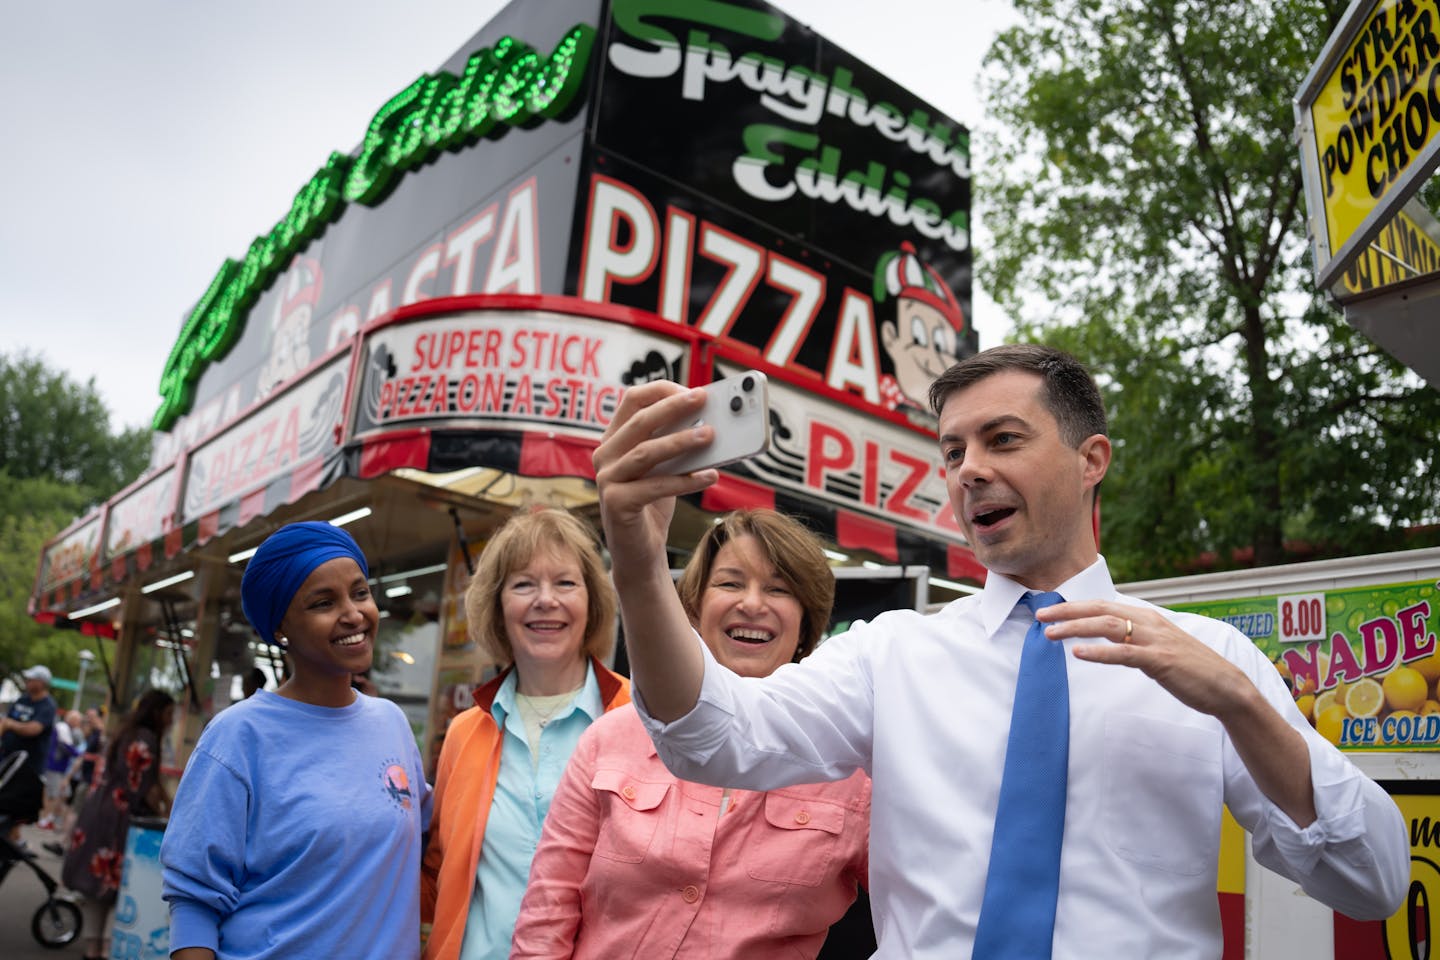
x: 58, y: 459
x: 54, y: 428
x: 1145, y: 197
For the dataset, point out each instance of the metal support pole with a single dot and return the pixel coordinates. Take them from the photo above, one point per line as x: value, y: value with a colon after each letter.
x: 86, y: 658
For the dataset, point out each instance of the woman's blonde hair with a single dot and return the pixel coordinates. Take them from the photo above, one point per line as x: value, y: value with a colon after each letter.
x: 512, y: 548
x: 796, y: 553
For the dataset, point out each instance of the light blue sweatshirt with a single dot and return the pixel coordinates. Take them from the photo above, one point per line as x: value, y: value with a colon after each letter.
x: 296, y: 832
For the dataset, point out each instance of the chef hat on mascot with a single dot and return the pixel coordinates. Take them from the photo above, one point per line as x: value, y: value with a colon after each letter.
x: 901, y: 273
x: 299, y: 287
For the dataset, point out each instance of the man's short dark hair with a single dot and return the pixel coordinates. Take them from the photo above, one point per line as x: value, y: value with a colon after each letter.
x: 1069, y: 393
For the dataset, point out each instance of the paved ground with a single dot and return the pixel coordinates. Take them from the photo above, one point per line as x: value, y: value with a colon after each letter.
x: 21, y: 895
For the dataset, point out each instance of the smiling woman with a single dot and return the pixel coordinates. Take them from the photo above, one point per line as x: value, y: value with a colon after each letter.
x: 329, y: 633
x: 257, y: 863
x: 542, y: 605
x: 768, y: 872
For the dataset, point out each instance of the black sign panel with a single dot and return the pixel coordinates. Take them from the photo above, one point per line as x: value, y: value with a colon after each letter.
x: 737, y: 115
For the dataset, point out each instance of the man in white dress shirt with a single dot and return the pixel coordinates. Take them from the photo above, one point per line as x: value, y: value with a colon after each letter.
x: 1171, y: 715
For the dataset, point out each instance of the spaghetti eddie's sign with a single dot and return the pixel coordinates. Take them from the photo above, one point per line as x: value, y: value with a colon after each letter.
x: 715, y: 164
x: 758, y: 182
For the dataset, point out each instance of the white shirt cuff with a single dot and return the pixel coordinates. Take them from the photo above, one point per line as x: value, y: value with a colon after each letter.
x: 693, y: 738
x: 1339, y: 813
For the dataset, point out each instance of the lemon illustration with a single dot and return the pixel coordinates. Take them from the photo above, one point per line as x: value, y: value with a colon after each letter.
x: 1406, y: 689
x: 1330, y: 723
x: 1364, y: 698
x: 1429, y: 667
x: 1306, y: 705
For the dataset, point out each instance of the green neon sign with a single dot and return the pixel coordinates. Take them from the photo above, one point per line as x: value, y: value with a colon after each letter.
x: 507, y: 85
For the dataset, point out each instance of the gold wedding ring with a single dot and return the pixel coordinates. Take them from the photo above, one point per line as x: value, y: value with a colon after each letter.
x: 1129, y: 627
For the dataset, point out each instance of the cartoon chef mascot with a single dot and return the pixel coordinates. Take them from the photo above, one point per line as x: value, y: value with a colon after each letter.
x: 290, y: 326
x: 926, y: 336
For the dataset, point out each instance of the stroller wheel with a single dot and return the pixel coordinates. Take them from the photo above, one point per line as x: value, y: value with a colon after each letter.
x: 57, y: 923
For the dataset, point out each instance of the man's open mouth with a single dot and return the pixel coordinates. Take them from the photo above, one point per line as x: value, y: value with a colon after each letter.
x: 989, y: 518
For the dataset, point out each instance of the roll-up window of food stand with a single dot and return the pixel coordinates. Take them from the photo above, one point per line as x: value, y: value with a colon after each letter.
x: 1368, y: 119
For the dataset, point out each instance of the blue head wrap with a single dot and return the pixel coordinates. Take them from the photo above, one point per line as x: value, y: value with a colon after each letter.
x: 282, y: 563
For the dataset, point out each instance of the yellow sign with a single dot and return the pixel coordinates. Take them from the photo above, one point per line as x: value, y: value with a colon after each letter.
x: 1406, y: 934
x: 1376, y: 112
x: 1230, y: 872
x: 1406, y: 247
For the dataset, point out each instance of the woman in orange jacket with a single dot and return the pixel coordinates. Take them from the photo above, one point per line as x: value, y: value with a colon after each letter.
x: 542, y: 603
x: 635, y: 862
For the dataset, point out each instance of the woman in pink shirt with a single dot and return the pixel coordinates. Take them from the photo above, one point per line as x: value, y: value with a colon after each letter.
x: 634, y: 862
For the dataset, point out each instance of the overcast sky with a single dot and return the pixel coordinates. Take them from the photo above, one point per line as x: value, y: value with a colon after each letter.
x: 148, y: 140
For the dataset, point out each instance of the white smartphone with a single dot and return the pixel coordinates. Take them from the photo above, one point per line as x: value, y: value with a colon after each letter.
x: 738, y: 408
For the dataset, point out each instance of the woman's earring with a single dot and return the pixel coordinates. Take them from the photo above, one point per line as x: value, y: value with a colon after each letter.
x: 281, y: 640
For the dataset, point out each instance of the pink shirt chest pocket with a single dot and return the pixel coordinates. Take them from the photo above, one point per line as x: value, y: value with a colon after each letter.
x: 796, y: 840
x: 630, y: 811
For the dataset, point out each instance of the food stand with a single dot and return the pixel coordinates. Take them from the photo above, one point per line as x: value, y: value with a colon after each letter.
x: 1356, y: 636
x: 587, y: 195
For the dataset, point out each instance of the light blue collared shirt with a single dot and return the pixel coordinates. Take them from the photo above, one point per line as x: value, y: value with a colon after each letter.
x: 517, y: 812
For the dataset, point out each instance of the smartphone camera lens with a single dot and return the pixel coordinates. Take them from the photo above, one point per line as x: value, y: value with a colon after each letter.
x: 736, y: 403
x: 747, y: 384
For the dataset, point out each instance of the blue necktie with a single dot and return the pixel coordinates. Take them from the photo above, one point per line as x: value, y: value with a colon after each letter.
x: 1017, y: 915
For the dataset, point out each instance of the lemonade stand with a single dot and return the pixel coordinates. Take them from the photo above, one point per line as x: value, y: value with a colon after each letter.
x: 1356, y: 640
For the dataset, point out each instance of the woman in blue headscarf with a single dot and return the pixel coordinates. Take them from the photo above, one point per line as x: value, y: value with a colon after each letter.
x: 296, y: 829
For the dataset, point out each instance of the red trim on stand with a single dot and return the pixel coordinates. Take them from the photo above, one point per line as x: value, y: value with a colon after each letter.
x: 144, y: 556
x: 305, y: 478
x: 174, y: 541
x: 1358, y: 939
x: 60, y: 621
x: 960, y: 564
x: 393, y: 451
x: 856, y: 532
x: 735, y: 493
x: 544, y: 303
x: 704, y: 350
x: 117, y: 569
x: 252, y: 505
x: 207, y: 527
x: 544, y: 455
x: 1232, y: 926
